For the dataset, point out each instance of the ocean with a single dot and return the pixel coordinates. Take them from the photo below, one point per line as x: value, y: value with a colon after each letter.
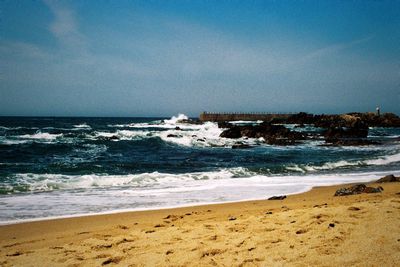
x: 60, y: 167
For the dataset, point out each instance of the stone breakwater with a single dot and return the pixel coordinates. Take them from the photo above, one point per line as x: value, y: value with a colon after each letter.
x: 221, y: 117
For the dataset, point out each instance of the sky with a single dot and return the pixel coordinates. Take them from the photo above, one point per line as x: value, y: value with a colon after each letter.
x: 161, y: 58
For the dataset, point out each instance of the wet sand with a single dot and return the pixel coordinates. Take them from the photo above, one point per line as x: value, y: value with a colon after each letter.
x: 310, y: 229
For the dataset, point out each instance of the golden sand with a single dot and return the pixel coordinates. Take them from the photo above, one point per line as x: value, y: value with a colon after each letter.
x: 310, y: 229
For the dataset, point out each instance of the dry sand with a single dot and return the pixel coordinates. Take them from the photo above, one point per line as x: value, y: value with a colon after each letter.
x: 310, y: 229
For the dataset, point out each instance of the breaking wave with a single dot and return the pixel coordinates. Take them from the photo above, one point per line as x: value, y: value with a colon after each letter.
x: 342, y: 164
x: 30, y: 182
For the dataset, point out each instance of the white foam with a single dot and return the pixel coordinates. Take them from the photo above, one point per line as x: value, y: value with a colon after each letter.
x: 41, y: 136
x: 49, y: 182
x: 174, y: 119
x: 384, y: 160
x: 168, y: 191
x: 204, y: 135
x: 13, y: 142
x: 83, y: 125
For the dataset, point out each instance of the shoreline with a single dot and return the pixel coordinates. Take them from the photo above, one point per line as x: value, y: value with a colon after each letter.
x: 168, y: 233
x: 111, y: 212
x: 373, y: 176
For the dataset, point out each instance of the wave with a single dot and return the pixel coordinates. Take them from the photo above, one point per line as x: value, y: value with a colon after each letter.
x: 40, y: 135
x: 174, y: 119
x: 342, y: 164
x: 30, y: 182
x: 171, y: 123
x: 83, y: 125
x: 13, y: 142
x: 384, y: 160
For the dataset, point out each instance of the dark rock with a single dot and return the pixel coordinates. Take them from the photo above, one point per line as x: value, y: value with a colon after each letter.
x: 384, y: 120
x: 357, y: 189
x: 273, y: 134
x: 373, y: 190
x: 233, y: 132
x: 224, y: 124
x: 389, y: 179
x: 177, y: 128
x: 277, y: 198
x: 301, y: 118
x: 232, y: 218
x: 344, y: 120
x: 353, y: 132
x: 331, y: 225
x: 174, y: 135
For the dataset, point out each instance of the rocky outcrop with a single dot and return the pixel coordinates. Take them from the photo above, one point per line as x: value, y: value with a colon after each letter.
x: 389, y: 179
x: 301, y: 118
x: 345, y: 120
x: 349, y: 129
x: 357, y: 189
x: 272, y: 134
x: 384, y: 120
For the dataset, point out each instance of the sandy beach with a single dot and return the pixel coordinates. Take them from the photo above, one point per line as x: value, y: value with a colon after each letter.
x: 310, y: 229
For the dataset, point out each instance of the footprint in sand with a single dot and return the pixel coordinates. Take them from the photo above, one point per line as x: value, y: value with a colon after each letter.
x: 103, y: 246
x: 115, y: 260
x: 301, y: 231
x: 172, y: 217
x: 354, y: 208
x: 124, y: 240
x: 214, y: 237
x: 15, y: 254
x: 211, y: 252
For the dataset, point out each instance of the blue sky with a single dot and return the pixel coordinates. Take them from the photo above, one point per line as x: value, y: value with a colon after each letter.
x: 160, y: 58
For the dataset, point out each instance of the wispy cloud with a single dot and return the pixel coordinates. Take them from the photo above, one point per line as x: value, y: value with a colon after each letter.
x: 65, y: 27
x: 332, y: 48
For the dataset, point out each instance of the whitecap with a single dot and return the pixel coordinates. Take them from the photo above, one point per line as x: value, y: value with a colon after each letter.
x: 40, y: 135
x: 83, y: 125
x: 174, y: 119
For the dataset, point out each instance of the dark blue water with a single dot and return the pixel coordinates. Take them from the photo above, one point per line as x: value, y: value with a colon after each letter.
x: 66, y: 166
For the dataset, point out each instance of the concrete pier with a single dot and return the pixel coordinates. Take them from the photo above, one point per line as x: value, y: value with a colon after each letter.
x: 219, y: 117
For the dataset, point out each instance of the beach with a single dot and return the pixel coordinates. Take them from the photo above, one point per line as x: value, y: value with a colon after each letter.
x: 314, y: 228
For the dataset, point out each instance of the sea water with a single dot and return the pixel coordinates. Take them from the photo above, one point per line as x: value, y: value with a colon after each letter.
x: 57, y: 167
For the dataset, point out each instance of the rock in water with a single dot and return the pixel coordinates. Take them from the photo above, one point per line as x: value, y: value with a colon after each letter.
x: 273, y: 134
